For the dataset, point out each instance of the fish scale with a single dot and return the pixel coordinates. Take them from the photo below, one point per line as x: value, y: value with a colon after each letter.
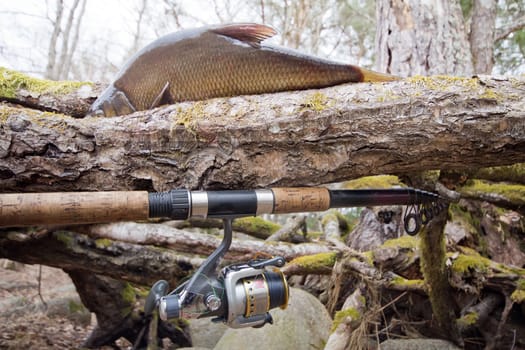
x: 220, y: 61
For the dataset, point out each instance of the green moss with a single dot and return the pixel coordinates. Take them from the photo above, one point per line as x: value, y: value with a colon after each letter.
x: 129, y: 297
x: 103, y: 242
x: 430, y: 176
x: 316, y: 101
x: 452, y: 83
x: 179, y: 323
x: 316, y: 261
x: 368, y: 257
x: 432, y: 247
x: 335, y: 215
x: 444, y: 82
x: 490, y: 94
x: 464, y: 263
x: 64, y: 237
x: 188, y: 116
x: 341, y: 316
x: 256, y: 226
x: 518, y: 296
x: 128, y: 294
x: 512, y: 192
x: 379, y: 181
x: 400, y: 281
x: 75, y: 307
x: 4, y: 113
x: 407, y: 242
x: 328, y: 217
x: 11, y: 81
x: 457, y: 213
x: 468, y: 320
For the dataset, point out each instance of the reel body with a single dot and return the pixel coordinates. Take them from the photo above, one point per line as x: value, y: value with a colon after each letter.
x: 240, y: 296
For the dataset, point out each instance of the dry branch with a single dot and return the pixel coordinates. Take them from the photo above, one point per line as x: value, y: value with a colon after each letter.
x: 198, y: 243
x: 123, y: 250
x: 288, y: 231
x: 64, y: 249
x: 292, y: 138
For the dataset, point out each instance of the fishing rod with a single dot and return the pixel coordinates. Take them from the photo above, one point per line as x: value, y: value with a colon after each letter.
x: 240, y: 295
x: 56, y: 208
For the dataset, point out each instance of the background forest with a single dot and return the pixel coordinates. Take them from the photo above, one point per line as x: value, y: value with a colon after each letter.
x: 374, y: 284
x: 44, y: 38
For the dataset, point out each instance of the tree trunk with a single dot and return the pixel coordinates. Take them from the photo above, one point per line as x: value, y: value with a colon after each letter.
x: 52, y: 51
x: 292, y: 138
x: 482, y: 32
x: 418, y: 38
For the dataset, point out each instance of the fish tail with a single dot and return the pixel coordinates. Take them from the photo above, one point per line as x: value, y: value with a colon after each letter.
x: 371, y: 76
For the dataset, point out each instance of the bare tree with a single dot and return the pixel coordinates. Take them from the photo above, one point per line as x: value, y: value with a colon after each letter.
x: 137, y: 35
x: 52, y: 52
x: 64, y: 39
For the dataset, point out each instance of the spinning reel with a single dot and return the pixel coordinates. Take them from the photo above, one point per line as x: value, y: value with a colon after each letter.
x: 240, y: 295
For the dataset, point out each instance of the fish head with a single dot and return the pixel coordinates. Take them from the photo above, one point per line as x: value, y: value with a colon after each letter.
x: 110, y: 103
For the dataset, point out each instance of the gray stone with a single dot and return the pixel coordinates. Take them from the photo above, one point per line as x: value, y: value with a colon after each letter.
x: 418, y: 344
x: 305, y: 324
x: 206, y: 334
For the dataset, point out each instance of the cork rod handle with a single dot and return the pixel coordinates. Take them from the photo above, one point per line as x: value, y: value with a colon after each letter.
x: 300, y: 199
x: 25, y: 209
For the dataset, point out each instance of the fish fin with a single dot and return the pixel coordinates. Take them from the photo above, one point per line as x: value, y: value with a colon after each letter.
x: 249, y: 33
x: 120, y: 105
x: 371, y: 76
x: 164, y: 97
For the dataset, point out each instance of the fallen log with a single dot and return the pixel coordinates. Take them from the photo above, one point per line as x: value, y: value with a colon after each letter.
x: 309, y: 137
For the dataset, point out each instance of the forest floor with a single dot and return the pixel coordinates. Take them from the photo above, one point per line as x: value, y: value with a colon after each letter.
x: 26, y: 323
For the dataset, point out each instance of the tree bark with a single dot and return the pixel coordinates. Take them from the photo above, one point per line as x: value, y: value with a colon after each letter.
x: 482, y: 32
x: 292, y: 138
x: 422, y: 38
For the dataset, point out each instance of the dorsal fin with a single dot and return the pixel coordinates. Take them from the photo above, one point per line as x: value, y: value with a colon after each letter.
x: 250, y: 33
